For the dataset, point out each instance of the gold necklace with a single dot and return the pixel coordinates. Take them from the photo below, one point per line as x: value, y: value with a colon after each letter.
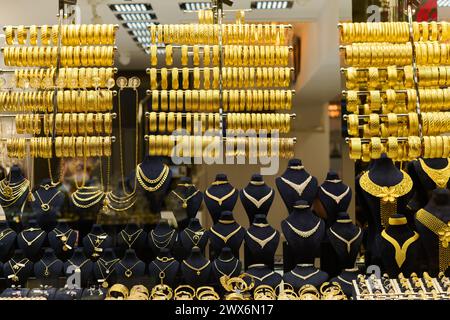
x: 104, y: 264
x: 130, y: 240
x: 387, y: 195
x: 196, y: 236
x: 344, y: 281
x: 305, y: 277
x: 161, y: 244
x: 225, y: 238
x: 261, y: 279
x: 338, y: 198
x: 5, y: 233
x: 262, y: 243
x: 440, y: 229
x: 304, y: 234
x: 29, y: 243
x: 300, y: 188
x: 45, y: 206
x: 439, y: 176
x: 98, y: 242
x: 198, y: 270
x: 9, y: 190
x: 185, y: 200
x: 261, y: 225
x: 129, y: 271
x: 347, y: 242
x: 47, y: 266
x: 220, y: 200
x: 16, y: 268
x: 78, y: 267
x: 400, y: 252
x: 260, y: 202
x: 63, y: 237
x: 97, y: 196
x: 219, y: 182
x: 143, y: 179
x: 162, y: 272
x: 223, y: 273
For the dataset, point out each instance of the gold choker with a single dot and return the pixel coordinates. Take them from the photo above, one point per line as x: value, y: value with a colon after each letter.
x: 439, y: 176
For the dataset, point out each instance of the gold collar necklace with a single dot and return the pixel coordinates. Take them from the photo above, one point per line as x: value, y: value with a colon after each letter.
x: 144, y: 180
x: 227, y: 237
x: 298, y: 187
x: 347, y: 242
x: 220, y: 200
x: 400, y: 252
x: 260, y: 202
x: 387, y: 195
x: 439, y: 176
x: 305, y: 277
x: 262, y: 243
x: 185, y: 200
x: 304, y: 234
x: 336, y: 198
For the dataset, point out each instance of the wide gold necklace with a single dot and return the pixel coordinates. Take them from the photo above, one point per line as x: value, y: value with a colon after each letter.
x: 227, y: 237
x: 439, y: 176
x: 400, y: 252
x: 260, y: 202
x: 440, y: 229
x: 144, y: 180
x: 298, y: 187
x: 347, y: 242
x: 387, y: 195
x: 304, y: 234
x: 11, y: 193
x: 262, y: 243
x: 220, y: 200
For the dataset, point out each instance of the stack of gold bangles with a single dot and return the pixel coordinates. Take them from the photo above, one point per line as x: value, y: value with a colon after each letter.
x: 385, y: 101
x: 259, y: 121
x: 34, y: 101
x: 391, y: 77
x: 39, y: 147
x: 171, y: 121
x: 378, y: 55
x: 384, y: 126
x: 81, y: 146
x: 85, y: 100
x: 82, y: 123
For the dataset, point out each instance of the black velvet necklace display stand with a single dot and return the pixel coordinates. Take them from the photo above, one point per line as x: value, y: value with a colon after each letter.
x: 306, y: 185
x: 225, y: 233
x: 257, y: 197
x: 47, y: 204
x: 225, y: 264
x: 163, y: 236
x: 263, y: 275
x: 399, y: 230
x: 15, y: 177
x: 164, y: 269
x: 345, y: 280
x: 7, y: 241
x: 304, y: 232
x: 264, y: 250
x: 132, y: 237
x: 105, y: 273
x: 49, y: 268
x: 196, y: 269
x: 82, y: 264
x: 152, y: 168
x: 384, y: 173
x: 439, y: 206
x: 303, y: 274
x: 18, y: 269
x: 130, y: 270
x: 96, y: 241
x: 31, y: 240
x: 220, y: 188
x: 62, y: 240
x: 194, y: 235
x: 423, y: 185
x: 184, y: 211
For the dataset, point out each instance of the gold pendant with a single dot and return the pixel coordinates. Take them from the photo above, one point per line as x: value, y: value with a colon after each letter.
x: 184, y: 205
x: 65, y: 248
x: 15, y: 267
x: 63, y: 238
x: 7, y: 191
x: 198, y: 272
x: 45, y: 207
x: 162, y: 275
x: 46, y: 273
x: 105, y: 284
x: 15, y: 278
x: 128, y: 273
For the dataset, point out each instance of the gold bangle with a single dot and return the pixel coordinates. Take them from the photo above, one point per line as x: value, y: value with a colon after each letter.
x: 164, y: 100
x: 169, y: 55
x: 170, y: 122
x: 155, y: 100
x: 162, y: 122
x: 153, y: 126
x: 175, y: 78
x: 375, y: 147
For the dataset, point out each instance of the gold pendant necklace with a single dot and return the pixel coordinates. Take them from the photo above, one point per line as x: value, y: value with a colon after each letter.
x: 143, y: 179
x: 225, y: 238
x: 262, y: 243
x: 300, y: 188
x: 304, y: 234
x: 195, y: 236
x: 162, y: 271
x: 97, y: 243
x: 400, y: 252
x: 260, y: 202
x: 338, y: 198
x: 128, y: 238
x: 387, y: 195
x: 5, y: 233
x: 45, y: 206
x: 64, y: 237
x: 78, y: 267
x: 305, y: 277
x: 439, y: 176
x: 129, y: 271
x: 198, y: 271
x: 223, y: 273
x: 220, y: 200
x: 347, y: 242
x: 47, y: 266
x: 16, y: 268
x: 185, y: 200
x: 108, y: 270
x: 29, y: 243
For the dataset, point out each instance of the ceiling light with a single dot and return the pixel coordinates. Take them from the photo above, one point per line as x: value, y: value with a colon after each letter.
x: 271, y: 5
x: 132, y: 7
x: 193, y: 6
x: 443, y: 3
x: 136, y: 16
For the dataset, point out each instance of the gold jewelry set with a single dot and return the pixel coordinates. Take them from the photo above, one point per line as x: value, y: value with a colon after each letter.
x: 11, y: 192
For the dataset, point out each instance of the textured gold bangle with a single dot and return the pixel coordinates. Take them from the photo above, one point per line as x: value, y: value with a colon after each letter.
x: 164, y: 83
x: 154, y: 55
x: 375, y: 147
x: 355, y: 148
x: 352, y: 125
x: 196, y: 78
x: 169, y: 55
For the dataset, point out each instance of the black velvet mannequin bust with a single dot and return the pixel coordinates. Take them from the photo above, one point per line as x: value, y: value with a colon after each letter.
x: 304, y: 232
x: 305, y: 185
x: 399, y: 233
x: 7, y: 241
x: 31, y: 240
x: 132, y: 237
x: 261, y: 242
x: 185, y: 209
x: 18, y: 269
x: 345, y: 280
x: 423, y: 184
x: 343, y: 229
x: 263, y: 275
x: 226, y: 264
x: 62, y: 239
x: 305, y: 274
x: 257, y: 197
x: 163, y: 236
x: 81, y: 264
x: 14, y: 207
x: 96, y: 241
x: 164, y: 269
x: 226, y: 233
x: 334, y: 196
x: 152, y: 168
x: 47, y: 204
x: 196, y: 269
x: 130, y: 270
x: 194, y: 235
x: 226, y: 197
x: 105, y: 268
x: 49, y: 267
x: 384, y: 173
x: 438, y: 206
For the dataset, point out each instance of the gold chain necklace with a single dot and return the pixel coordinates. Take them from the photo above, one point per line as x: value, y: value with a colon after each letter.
x: 262, y: 243
x: 439, y: 176
x: 97, y: 197
x: 129, y: 237
x: 260, y: 202
x: 142, y: 179
x: 300, y: 188
x: 225, y: 238
x: 164, y: 243
x: 220, y: 200
x: 47, y: 266
x: 9, y: 190
x: 261, y: 279
x: 5, y: 233
x: 387, y: 195
x: 196, y: 236
x: 198, y: 270
x: 223, y: 273
x: 304, y: 277
x: 78, y: 267
x: 16, y: 268
x: 129, y: 271
x: 400, y: 252
x: 29, y: 243
x: 162, y: 273
x: 45, y: 206
x: 104, y: 264
x: 336, y: 198
x: 63, y: 237
x: 185, y: 200
x: 304, y: 234
x: 347, y: 242
x: 97, y: 243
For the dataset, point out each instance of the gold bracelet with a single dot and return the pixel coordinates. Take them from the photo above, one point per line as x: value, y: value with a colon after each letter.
x: 153, y: 55
x: 375, y: 147
x: 169, y: 55
x: 175, y: 78
x: 164, y: 100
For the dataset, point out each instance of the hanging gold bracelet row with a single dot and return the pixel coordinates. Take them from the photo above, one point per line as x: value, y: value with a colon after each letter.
x: 171, y: 121
x: 85, y: 100
x: 259, y: 121
x: 69, y: 147
x: 39, y: 147
x: 383, y: 125
x: 35, y: 101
